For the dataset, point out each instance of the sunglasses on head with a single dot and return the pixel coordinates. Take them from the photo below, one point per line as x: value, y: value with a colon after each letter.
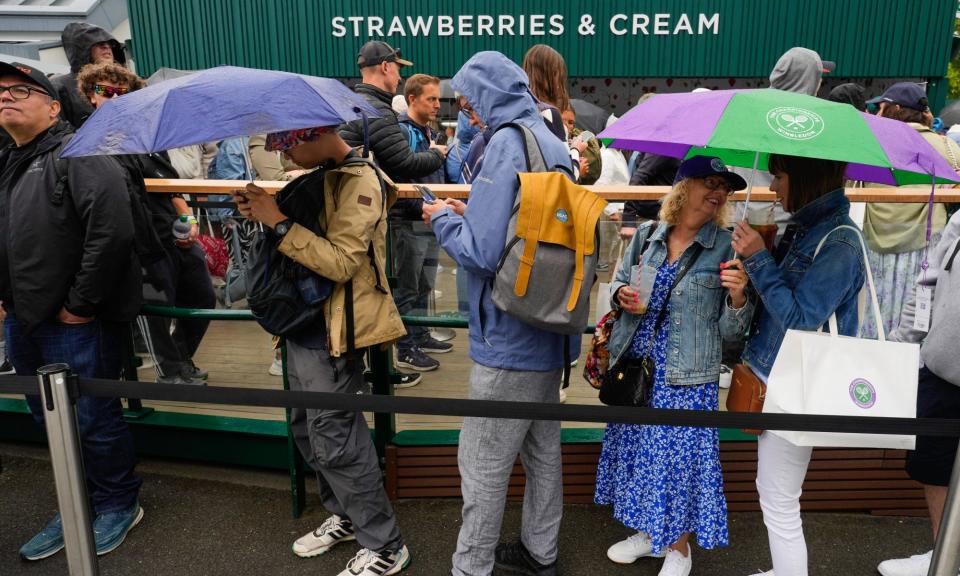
x: 109, y: 91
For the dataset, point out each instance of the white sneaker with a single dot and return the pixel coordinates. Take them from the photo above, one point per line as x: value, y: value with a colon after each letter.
x: 917, y: 565
x: 629, y: 550
x: 676, y: 564
x: 276, y: 367
x: 333, y: 531
x: 370, y: 563
x: 726, y: 376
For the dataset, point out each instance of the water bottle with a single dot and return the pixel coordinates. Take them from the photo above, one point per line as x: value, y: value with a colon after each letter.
x: 182, y: 227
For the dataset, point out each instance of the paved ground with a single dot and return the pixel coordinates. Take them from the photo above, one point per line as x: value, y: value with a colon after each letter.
x: 219, y: 521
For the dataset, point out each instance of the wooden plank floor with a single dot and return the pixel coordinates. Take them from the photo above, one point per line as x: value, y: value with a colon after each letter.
x: 239, y: 353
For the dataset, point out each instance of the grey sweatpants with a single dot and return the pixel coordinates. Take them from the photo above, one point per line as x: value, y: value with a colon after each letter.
x: 337, y: 446
x: 487, y: 452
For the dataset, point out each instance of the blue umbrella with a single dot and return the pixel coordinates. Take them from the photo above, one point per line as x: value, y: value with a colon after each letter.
x: 214, y: 104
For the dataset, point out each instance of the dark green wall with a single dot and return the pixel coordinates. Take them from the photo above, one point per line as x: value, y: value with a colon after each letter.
x: 867, y: 38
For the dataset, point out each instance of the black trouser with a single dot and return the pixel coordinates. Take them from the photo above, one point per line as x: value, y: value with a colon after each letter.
x: 180, y: 280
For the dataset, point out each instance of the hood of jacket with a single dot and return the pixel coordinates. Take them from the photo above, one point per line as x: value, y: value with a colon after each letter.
x: 77, y: 39
x: 498, y: 90
x: 798, y: 70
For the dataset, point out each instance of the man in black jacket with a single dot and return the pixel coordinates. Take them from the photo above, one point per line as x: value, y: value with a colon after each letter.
x: 84, y: 44
x: 380, y: 66
x: 69, y: 278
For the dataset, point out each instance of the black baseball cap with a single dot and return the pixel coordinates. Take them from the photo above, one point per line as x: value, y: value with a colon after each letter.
x: 703, y: 166
x: 375, y: 52
x: 906, y: 94
x: 30, y: 74
x: 828, y: 66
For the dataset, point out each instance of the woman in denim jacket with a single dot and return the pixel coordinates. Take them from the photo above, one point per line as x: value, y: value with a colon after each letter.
x: 800, y: 293
x: 665, y: 481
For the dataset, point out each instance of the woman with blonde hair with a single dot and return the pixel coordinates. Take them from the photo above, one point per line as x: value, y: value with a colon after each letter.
x: 665, y: 481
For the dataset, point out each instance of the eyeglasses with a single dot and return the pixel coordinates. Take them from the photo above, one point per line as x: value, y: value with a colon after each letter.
x: 714, y: 182
x: 109, y: 91
x: 21, y: 91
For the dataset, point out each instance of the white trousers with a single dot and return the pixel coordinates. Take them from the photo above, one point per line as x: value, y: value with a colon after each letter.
x: 781, y: 468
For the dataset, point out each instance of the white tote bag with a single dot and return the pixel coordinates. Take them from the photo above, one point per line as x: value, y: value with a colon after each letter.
x: 823, y: 373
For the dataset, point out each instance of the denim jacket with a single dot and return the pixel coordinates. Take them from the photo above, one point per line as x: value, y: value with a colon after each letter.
x: 801, y: 293
x: 699, y: 314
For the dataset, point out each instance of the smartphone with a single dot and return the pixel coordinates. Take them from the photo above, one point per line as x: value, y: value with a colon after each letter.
x: 428, y: 196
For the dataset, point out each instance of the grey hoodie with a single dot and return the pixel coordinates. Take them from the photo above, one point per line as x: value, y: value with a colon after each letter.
x: 78, y: 38
x: 938, y: 349
x: 798, y: 70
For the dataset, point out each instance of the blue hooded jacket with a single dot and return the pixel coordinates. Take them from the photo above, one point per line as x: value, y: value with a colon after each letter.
x: 466, y: 132
x: 498, y: 90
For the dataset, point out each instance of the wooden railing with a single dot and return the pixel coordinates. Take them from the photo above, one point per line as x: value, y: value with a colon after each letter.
x: 919, y: 194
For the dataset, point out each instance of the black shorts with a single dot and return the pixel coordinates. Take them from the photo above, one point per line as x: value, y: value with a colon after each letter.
x: 932, y: 461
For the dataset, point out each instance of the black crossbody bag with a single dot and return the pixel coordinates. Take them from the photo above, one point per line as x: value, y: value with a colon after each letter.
x: 630, y: 380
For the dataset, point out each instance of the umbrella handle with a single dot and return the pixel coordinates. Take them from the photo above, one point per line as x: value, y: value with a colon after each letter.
x: 753, y: 177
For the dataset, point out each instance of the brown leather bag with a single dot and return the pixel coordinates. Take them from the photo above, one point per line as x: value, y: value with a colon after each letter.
x: 746, y: 394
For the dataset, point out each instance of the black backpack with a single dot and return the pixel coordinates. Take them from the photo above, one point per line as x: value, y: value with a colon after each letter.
x: 286, y: 297
x: 147, y: 243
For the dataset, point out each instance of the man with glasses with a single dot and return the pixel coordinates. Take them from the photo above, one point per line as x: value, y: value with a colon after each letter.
x: 69, y: 279
x: 380, y: 66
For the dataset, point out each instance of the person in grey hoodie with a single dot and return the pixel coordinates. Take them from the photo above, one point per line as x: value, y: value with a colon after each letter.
x: 84, y: 44
x: 938, y: 391
x: 513, y: 360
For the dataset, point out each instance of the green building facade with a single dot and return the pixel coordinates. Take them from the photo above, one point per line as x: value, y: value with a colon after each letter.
x: 721, y: 43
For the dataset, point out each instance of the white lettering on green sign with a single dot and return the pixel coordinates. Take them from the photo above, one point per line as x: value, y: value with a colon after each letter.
x: 444, y: 25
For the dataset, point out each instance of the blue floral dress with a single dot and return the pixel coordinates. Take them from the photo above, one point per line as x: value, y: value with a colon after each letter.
x: 665, y: 480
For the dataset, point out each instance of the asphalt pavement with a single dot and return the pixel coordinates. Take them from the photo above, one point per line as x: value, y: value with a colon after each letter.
x: 203, y: 520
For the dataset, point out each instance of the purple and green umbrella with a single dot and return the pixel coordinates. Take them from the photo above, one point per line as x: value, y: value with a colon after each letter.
x: 743, y: 127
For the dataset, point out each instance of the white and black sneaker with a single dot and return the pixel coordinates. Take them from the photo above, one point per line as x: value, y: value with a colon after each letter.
x: 370, y: 563
x: 7, y: 367
x: 333, y: 531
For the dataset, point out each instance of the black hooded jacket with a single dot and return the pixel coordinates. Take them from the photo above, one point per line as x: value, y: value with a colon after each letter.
x: 73, y: 248
x: 388, y: 141
x: 78, y: 38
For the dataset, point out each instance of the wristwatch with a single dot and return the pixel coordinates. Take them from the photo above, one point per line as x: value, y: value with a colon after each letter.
x: 283, y: 227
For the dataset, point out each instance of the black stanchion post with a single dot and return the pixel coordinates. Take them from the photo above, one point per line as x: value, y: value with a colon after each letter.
x: 298, y: 486
x: 946, y: 554
x: 384, y: 424
x: 63, y: 436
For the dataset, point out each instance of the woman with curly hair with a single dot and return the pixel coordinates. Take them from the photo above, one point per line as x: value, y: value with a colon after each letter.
x: 665, y: 482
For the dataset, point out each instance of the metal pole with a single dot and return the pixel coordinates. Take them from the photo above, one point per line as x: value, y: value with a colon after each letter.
x: 946, y: 553
x: 60, y: 418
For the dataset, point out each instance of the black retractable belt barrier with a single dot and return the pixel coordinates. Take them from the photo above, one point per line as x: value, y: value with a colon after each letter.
x: 501, y: 409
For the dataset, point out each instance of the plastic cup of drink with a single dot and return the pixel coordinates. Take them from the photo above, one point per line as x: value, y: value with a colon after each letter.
x: 641, y: 280
x: 765, y: 224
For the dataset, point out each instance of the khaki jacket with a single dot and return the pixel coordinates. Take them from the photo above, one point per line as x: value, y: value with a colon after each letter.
x: 353, y: 217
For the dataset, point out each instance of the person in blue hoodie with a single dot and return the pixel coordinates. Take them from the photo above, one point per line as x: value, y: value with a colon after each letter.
x: 513, y: 361
x: 468, y: 127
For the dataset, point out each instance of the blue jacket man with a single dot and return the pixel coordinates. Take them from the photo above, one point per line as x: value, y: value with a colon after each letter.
x: 514, y: 361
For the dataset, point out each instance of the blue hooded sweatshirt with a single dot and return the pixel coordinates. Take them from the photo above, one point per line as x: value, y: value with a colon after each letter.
x: 466, y: 132
x: 498, y: 90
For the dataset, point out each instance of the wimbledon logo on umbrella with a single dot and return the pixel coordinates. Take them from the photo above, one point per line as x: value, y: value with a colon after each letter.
x: 795, y: 123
